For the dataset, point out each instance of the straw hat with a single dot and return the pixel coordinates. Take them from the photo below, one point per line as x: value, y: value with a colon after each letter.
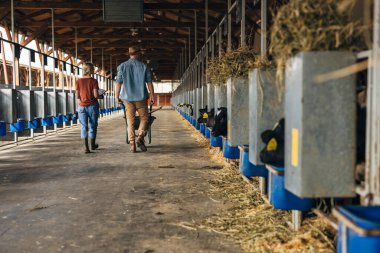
x: 133, y: 50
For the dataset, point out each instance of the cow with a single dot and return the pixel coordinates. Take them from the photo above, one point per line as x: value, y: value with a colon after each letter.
x: 206, y: 117
x: 220, y: 126
x: 190, y: 107
x: 274, y: 150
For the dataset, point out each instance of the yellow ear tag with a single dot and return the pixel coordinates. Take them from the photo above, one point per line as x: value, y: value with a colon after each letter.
x: 205, y: 115
x: 272, y: 145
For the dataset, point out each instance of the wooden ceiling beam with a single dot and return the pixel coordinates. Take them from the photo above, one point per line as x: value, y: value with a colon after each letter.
x: 99, y: 6
x: 101, y: 24
x: 121, y: 36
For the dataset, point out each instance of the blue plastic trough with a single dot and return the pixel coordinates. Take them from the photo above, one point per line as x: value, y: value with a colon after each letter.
x: 33, y: 124
x: 247, y: 168
x: 281, y: 198
x: 359, y: 229
x: 17, y: 127
x: 208, y: 132
x: 3, y: 128
x: 229, y: 151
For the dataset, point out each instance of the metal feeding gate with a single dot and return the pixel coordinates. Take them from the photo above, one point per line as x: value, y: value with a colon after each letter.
x: 123, y: 11
x: 319, y: 126
x: 238, y: 111
x: 266, y: 108
x: 220, y: 96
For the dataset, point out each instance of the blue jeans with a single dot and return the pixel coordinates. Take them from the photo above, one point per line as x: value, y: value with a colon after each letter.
x: 88, y: 114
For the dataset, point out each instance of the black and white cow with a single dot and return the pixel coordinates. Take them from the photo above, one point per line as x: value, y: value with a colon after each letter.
x: 274, y: 150
x: 206, y: 117
x: 220, y: 126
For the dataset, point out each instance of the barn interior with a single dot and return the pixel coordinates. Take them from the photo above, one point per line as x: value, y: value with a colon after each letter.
x: 262, y: 136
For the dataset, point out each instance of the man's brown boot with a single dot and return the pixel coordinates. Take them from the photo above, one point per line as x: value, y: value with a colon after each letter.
x: 132, y: 147
x: 86, y: 148
x: 141, y: 144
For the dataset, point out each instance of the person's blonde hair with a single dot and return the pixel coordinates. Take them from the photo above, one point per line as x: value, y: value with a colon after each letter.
x: 88, y: 69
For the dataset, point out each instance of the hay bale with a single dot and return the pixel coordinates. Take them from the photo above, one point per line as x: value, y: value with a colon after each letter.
x: 312, y: 25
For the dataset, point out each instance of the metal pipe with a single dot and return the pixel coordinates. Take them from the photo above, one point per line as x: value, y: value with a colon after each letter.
x: 195, y: 33
x: 242, y: 24
x: 102, y: 72
x: 13, y: 45
x: 185, y: 56
x: 30, y: 70
x: 189, y: 45
x: 43, y: 73
x: 264, y: 17
x: 52, y: 43
x: 206, y: 46
x: 229, y: 39
x: 220, y: 41
x: 373, y: 116
x: 91, y: 49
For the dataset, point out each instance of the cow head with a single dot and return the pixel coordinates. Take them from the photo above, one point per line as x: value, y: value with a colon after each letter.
x: 220, y: 126
x: 274, y: 150
x: 203, y: 115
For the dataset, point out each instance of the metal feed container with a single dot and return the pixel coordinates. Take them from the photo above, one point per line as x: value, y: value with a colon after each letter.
x: 266, y: 108
x: 8, y: 100
x: 71, y: 102
x: 238, y: 111
x: 220, y: 96
x: 25, y: 105
x: 320, y: 121
x: 40, y: 103
x: 52, y: 103
x: 204, y: 96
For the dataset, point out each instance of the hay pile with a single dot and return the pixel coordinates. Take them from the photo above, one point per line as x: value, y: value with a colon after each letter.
x: 235, y: 63
x: 312, y: 25
x: 254, y: 224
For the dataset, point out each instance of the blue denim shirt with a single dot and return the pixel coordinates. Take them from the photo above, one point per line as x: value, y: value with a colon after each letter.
x: 134, y: 75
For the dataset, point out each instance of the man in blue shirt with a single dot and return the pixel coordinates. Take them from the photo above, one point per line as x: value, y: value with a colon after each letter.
x: 133, y: 79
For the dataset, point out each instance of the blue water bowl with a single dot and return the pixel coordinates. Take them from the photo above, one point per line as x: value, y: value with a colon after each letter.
x: 3, y: 128
x: 216, y: 142
x: 192, y: 121
x: 17, y: 127
x: 197, y: 125
x: 74, y: 117
x: 363, y: 227
x: 208, y: 132
x: 33, y: 124
x: 202, y: 128
x: 48, y: 121
x: 247, y: 168
x: 58, y: 119
x: 67, y: 118
x: 279, y: 197
x: 229, y: 151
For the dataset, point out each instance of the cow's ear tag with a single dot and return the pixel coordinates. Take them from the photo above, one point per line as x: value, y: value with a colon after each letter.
x: 272, y: 145
x: 205, y: 115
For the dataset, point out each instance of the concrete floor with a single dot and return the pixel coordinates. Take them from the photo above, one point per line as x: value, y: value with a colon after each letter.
x: 54, y: 198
